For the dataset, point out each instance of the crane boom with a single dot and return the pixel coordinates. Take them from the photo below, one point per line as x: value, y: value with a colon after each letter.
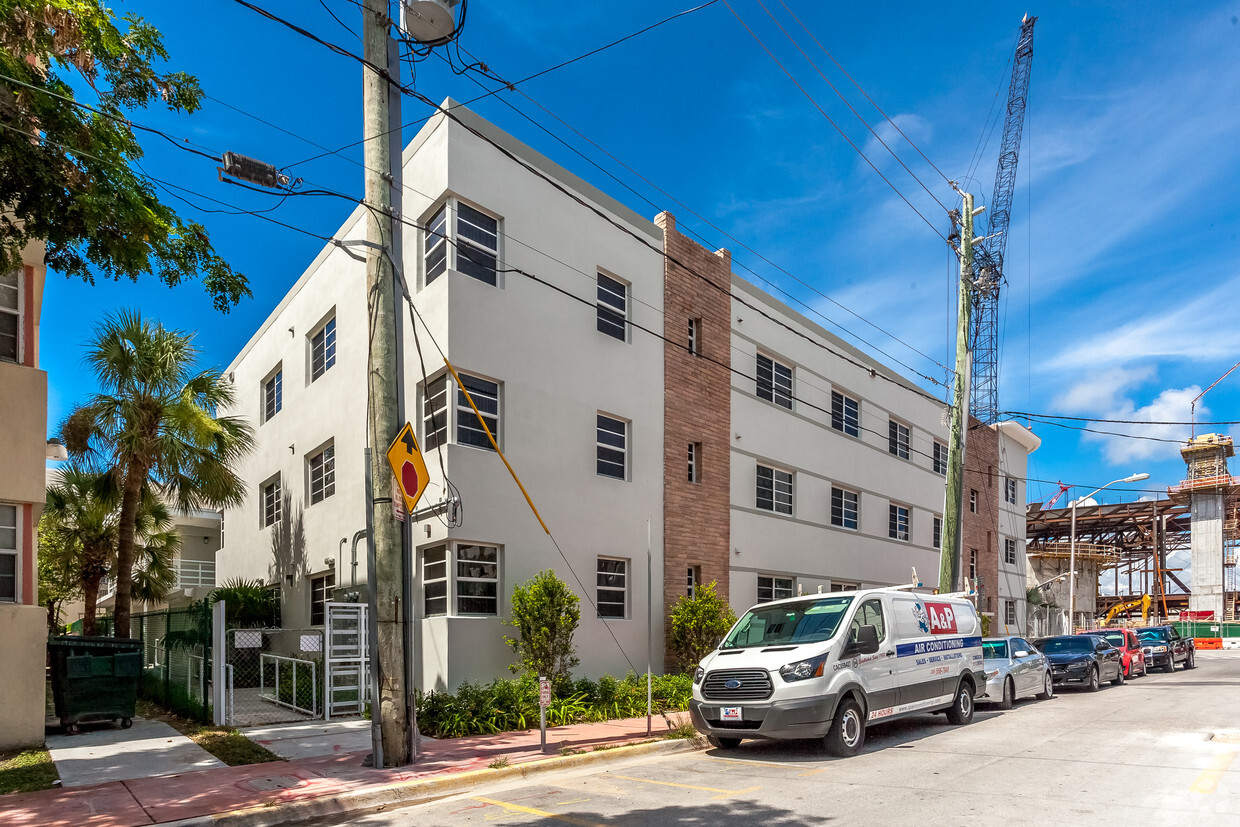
x: 988, y: 254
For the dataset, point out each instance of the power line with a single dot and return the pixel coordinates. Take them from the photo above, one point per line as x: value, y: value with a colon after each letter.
x: 843, y: 135
x: 1039, y: 416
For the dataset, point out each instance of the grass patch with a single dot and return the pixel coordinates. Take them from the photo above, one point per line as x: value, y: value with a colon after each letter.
x: 685, y: 731
x: 26, y: 771
x: 225, y: 743
x: 499, y: 763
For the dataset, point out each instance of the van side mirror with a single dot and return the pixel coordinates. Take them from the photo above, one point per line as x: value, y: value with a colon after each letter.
x: 867, y: 640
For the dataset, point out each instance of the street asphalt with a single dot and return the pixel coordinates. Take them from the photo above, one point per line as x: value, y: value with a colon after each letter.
x: 1161, y: 749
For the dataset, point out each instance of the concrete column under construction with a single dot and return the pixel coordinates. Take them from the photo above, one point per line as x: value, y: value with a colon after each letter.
x: 1207, y: 553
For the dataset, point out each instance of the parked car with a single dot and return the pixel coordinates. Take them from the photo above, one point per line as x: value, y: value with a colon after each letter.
x: 1129, y: 646
x: 1163, y: 646
x: 1014, y: 669
x: 1086, y: 660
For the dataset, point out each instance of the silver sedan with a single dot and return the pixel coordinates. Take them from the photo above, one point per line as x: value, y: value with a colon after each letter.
x: 1014, y: 669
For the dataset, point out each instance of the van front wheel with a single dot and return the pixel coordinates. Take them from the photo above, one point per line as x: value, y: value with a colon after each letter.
x: 723, y: 743
x: 961, y: 710
x: 847, y: 733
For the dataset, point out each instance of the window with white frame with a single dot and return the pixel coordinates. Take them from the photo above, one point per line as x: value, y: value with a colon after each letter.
x: 972, y: 500
x: 897, y: 522
x: 272, y: 506
x: 843, y: 507
x: 695, y: 462
x: 937, y: 532
x: 1009, y: 612
x: 473, y: 248
x: 320, y: 593
x: 435, y: 414
x: 1009, y: 551
x: 469, y: 430
x: 613, y: 307
x: 772, y: 587
x: 323, y: 349
x: 774, y: 490
x: 11, y: 316
x: 435, y: 581
x: 612, y: 587
x: 844, y: 587
x: 273, y: 394
x: 692, y: 579
x: 973, y: 564
x: 845, y: 414
x: 8, y: 553
x: 611, y: 447
x: 695, y: 336
x: 897, y: 439
x: 1009, y: 490
x: 477, y: 580
x: 774, y: 381
x: 322, y: 467
x: 940, y: 458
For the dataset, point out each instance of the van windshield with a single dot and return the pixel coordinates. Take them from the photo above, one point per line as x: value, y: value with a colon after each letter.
x: 787, y: 624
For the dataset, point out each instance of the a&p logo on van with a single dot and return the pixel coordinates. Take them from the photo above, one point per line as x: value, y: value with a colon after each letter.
x: 942, y: 618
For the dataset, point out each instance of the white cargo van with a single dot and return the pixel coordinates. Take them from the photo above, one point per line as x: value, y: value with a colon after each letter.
x: 827, y: 665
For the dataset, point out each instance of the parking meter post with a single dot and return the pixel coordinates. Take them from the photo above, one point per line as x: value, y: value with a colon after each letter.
x: 542, y: 711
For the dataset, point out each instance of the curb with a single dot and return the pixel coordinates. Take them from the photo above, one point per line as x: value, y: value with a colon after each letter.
x: 406, y: 793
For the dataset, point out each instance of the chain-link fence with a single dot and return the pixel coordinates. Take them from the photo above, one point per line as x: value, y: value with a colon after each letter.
x: 273, y: 675
x: 176, y: 658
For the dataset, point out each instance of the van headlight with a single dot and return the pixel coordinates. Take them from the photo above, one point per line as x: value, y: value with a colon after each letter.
x: 699, y: 674
x: 803, y: 669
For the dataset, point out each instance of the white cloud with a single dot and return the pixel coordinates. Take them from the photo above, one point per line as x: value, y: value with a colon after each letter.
x: 914, y: 126
x: 1098, y: 391
x: 1140, y: 441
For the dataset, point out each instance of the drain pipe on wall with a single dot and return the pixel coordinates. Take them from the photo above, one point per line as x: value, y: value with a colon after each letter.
x: 358, y: 536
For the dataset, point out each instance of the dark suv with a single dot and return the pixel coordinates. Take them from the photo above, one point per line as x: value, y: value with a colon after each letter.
x: 1163, y: 646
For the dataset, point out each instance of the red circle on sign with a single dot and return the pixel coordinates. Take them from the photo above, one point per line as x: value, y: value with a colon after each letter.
x: 409, y: 478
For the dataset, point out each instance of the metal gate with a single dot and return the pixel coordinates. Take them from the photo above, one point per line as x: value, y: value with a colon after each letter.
x: 347, y: 660
x: 273, y: 676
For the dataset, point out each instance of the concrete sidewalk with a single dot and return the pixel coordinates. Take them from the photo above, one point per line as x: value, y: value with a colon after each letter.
x: 108, y: 753
x: 316, y: 786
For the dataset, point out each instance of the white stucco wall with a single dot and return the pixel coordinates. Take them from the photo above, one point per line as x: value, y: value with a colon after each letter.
x: 1016, y: 443
x: 23, y: 648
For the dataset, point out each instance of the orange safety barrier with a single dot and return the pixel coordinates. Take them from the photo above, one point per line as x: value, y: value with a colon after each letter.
x: 1208, y: 642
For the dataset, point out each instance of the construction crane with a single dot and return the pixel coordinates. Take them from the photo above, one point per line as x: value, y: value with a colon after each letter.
x: 1062, y: 488
x: 988, y: 250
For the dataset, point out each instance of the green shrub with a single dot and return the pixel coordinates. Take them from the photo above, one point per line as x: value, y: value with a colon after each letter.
x: 545, y: 613
x: 698, y: 623
x: 510, y: 705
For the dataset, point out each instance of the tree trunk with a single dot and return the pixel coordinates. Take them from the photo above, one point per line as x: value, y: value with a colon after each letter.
x: 53, y: 616
x: 90, y: 602
x: 134, y: 477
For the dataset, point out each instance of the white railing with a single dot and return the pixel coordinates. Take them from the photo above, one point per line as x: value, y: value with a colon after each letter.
x: 192, y: 573
x: 274, y: 696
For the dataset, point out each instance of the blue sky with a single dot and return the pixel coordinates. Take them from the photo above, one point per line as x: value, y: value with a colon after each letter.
x: 1122, y: 257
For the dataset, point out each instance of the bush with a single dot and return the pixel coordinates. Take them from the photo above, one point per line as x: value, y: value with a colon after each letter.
x: 508, y: 705
x: 545, y: 613
x: 698, y: 624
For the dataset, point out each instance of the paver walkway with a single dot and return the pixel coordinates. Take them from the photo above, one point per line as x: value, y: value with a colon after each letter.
x: 154, y: 800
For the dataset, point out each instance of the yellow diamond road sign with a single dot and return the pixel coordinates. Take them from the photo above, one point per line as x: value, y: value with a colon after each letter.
x: 408, y: 466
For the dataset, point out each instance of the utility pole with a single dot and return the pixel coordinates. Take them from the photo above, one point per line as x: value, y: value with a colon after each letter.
x: 387, y: 608
x: 953, y: 511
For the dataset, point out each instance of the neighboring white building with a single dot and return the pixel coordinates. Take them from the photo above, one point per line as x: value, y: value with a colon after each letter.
x: 1016, y: 443
x: 747, y: 446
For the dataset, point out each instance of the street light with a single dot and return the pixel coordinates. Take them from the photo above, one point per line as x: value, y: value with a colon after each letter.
x: 1072, y: 544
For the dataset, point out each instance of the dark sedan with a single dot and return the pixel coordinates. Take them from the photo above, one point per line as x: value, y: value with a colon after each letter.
x: 1085, y: 660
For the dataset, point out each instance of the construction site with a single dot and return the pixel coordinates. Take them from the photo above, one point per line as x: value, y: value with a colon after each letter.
x: 1123, y: 549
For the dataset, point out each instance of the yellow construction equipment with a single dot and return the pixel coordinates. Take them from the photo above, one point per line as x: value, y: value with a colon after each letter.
x: 1143, y: 601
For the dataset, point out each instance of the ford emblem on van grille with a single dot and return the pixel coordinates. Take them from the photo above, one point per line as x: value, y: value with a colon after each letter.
x: 738, y: 685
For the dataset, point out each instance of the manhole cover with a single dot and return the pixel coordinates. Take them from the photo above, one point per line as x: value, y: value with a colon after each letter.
x: 276, y: 782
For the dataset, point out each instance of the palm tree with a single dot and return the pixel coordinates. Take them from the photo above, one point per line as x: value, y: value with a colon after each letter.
x: 82, y: 516
x: 155, y: 425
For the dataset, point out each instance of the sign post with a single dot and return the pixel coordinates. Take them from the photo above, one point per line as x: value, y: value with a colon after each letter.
x: 544, y: 701
x: 408, y: 466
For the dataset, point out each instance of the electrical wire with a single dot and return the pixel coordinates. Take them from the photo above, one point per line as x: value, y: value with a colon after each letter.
x: 823, y: 112
x: 1041, y: 416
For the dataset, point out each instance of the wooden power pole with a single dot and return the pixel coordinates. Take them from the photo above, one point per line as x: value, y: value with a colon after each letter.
x: 953, y: 510
x: 391, y: 706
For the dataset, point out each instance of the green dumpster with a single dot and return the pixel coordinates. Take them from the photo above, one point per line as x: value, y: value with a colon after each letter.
x: 94, y: 678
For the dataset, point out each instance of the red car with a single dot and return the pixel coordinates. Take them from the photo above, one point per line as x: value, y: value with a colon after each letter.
x: 1126, y: 641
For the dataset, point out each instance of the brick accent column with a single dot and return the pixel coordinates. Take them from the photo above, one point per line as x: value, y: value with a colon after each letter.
x: 981, y: 530
x: 696, y: 410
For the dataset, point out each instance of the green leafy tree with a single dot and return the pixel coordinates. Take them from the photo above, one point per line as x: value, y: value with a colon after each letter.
x: 67, y: 167
x: 58, y: 577
x: 698, y: 623
x: 545, y: 614
x: 155, y: 425
x: 248, y: 604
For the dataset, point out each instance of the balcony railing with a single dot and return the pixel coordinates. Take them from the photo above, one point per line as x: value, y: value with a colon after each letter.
x: 189, y: 574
